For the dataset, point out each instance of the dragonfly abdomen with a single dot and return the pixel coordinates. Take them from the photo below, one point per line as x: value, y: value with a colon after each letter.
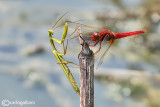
x: 121, y: 35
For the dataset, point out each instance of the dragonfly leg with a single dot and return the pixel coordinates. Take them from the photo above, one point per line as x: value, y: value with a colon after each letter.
x: 101, y: 43
x: 94, y: 44
x: 99, y: 48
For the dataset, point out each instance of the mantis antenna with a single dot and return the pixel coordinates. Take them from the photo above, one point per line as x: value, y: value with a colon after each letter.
x: 59, y: 19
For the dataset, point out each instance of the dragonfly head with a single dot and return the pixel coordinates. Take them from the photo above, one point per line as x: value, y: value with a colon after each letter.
x: 95, y: 36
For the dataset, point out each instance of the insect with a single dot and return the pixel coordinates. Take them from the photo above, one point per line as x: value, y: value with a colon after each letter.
x: 59, y: 56
x: 111, y: 37
x: 106, y: 35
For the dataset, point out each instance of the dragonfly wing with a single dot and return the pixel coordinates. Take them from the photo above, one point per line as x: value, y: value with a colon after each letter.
x: 85, y: 25
x: 102, y: 58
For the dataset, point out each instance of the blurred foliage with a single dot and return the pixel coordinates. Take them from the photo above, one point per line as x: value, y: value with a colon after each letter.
x: 140, y: 86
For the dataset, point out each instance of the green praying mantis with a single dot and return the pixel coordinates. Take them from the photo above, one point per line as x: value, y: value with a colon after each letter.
x: 59, y: 56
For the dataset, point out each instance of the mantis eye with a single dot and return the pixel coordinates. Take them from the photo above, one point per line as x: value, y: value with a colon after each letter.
x: 51, y: 32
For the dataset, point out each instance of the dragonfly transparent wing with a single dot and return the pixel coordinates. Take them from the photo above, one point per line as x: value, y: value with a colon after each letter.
x: 102, y: 58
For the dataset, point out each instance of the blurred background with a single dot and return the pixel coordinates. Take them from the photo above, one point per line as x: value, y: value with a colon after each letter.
x: 128, y: 77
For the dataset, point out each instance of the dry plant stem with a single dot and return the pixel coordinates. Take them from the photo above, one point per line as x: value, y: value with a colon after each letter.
x: 81, y: 40
x: 86, y: 61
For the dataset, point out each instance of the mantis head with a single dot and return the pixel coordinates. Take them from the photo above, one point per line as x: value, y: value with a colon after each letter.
x: 50, y: 32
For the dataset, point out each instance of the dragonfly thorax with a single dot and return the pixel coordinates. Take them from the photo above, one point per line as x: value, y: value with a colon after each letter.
x: 103, y: 33
x: 106, y: 34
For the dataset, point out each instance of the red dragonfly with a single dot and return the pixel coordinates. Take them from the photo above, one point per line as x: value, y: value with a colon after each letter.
x: 107, y: 35
x: 111, y: 37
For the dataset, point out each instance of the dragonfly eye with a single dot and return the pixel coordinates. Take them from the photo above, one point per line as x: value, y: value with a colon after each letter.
x: 94, y: 36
